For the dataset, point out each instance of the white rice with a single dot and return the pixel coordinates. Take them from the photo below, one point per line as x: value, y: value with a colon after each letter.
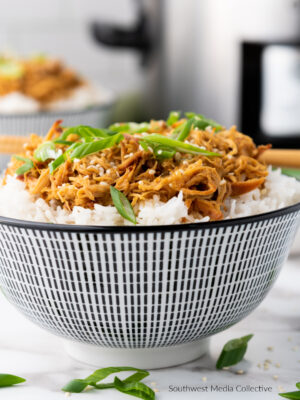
x: 15, y: 202
x: 82, y: 97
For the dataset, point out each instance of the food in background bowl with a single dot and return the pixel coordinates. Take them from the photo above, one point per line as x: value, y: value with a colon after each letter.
x: 156, y: 173
x: 148, y: 296
x: 43, y: 84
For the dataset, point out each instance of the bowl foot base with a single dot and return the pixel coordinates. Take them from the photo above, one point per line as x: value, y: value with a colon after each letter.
x: 150, y: 358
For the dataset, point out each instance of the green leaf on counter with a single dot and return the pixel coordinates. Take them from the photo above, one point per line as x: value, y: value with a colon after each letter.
x: 10, y: 380
x: 233, y: 352
x: 292, y: 395
x: 78, y: 385
x: 136, y: 389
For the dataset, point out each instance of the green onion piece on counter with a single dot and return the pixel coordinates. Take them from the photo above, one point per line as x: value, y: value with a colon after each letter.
x: 173, y: 117
x: 136, y: 389
x: 156, y: 139
x: 46, y: 151
x: 233, y: 352
x: 85, y: 149
x: 78, y: 385
x: 27, y: 166
x: 130, y: 127
x: 10, y: 380
x: 122, y: 204
x: 292, y: 395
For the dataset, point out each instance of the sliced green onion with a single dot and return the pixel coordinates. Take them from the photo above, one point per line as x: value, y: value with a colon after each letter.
x: 185, y: 130
x: 292, y: 395
x: 57, y: 163
x: 295, y: 173
x: 173, y: 117
x: 122, y: 204
x: 46, y: 151
x: 85, y: 149
x: 10, y: 380
x: 163, y: 152
x: 130, y: 127
x: 136, y: 389
x: 233, y: 352
x: 155, y: 139
x: 65, y: 142
x: 11, y: 69
x: 86, y: 132
x: 201, y: 122
x: 78, y: 385
x: 27, y: 166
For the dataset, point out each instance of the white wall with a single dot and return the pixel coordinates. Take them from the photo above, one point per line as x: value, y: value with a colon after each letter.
x: 60, y: 28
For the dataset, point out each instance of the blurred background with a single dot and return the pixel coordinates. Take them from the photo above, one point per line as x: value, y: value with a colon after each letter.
x: 235, y: 61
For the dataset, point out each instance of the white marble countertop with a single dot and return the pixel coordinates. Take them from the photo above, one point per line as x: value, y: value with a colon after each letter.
x: 30, y: 352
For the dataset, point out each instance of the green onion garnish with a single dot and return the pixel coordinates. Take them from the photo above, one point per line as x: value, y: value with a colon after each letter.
x: 130, y: 127
x: 201, y: 122
x: 27, y: 166
x: 10, y: 380
x: 134, y: 388
x: 122, y: 204
x: 11, y: 69
x: 184, y: 130
x: 46, y: 151
x: 85, y: 149
x: 233, y: 352
x: 155, y: 139
x: 173, y: 117
x: 292, y: 395
x: 57, y: 163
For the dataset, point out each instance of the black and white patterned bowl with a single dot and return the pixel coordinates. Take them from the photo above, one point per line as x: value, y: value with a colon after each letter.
x: 149, y: 295
x: 40, y: 122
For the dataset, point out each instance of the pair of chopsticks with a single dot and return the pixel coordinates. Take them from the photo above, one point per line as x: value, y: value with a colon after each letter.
x: 276, y: 157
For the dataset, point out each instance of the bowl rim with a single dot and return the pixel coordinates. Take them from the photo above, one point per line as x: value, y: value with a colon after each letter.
x: 108, y: 103
x: 46, y: 226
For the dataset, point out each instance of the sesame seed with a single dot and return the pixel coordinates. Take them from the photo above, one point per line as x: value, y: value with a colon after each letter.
x: 277, y: 365
x: 155, y: 390
x: 151, y: 171
x: 275, y: 377
x: 225, y: 368
x: 295, y: 348
x: 240, y: 372
x: 104, y: 183
x: 280, y: 389
x: 67, y: 394
x: 259, y: 365
x: 153, y: 383
x: 270, y: 348
x: 204, y: 379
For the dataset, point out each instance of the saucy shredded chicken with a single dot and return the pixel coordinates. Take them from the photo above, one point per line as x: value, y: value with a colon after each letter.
x: 205, y: 181
x: 44, y: 80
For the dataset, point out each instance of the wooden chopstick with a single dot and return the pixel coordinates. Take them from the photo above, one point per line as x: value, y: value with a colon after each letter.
x: 12, y: 144
x: 278, y: 157
x: 281, y: 158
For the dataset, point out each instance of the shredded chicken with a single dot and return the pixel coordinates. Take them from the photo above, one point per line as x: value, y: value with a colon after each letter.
x: 44, y: 80
x: 204, y: 181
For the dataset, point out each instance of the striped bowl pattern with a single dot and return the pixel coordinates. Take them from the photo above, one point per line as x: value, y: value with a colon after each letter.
x: 143, y: 287
x: 40, y: 123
